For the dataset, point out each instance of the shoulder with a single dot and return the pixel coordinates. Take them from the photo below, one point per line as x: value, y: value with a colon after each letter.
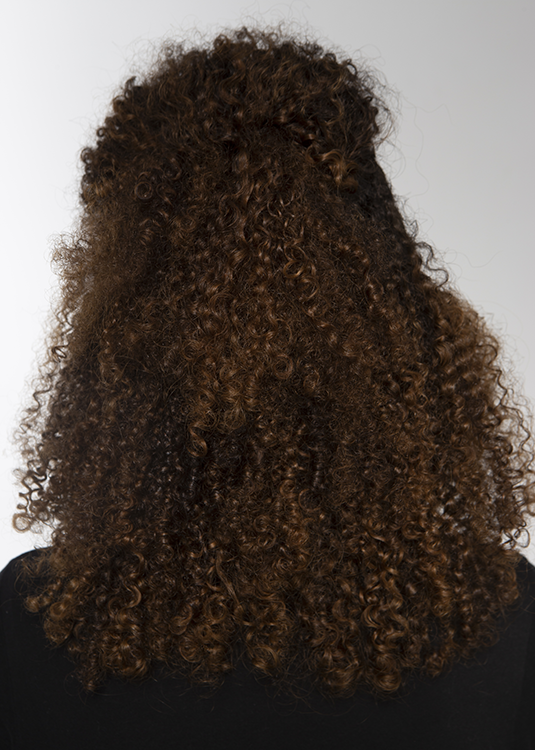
x: 525, y: 724
x: 13, y: 583
x: 525, y: 572
x: 18, y: 634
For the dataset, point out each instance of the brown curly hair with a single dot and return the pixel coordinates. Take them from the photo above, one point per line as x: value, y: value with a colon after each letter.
x: 267, y: 427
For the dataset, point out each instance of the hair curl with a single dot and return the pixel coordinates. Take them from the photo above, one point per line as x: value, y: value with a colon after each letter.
x: 264, y: 424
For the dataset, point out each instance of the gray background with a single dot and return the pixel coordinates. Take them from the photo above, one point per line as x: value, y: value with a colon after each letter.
x: 461, y: 77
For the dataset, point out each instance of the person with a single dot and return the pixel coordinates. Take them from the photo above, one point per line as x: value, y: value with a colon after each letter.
x: 284, y: 475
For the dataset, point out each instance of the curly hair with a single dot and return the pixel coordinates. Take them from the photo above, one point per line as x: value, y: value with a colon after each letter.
x: 265, y: 428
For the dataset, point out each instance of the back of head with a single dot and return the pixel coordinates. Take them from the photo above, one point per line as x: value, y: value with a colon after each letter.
x: 266, y: 422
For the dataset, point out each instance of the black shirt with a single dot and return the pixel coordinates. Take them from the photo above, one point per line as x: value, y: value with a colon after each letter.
x: 489, y: 704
